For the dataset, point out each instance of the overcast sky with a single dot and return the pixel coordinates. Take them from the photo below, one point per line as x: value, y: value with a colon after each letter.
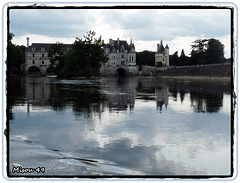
x: 176, y: 27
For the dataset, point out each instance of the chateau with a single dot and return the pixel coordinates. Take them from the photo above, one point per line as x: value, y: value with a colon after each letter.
x: 121, y: 58
x: 36, y: 57
x: 162, y: 56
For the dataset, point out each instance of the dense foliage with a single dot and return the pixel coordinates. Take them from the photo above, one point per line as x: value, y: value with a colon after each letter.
x: 204, y: 51
x: 55, y: 54
x: 145, y: 58
x: 15, y: 56
x: 84, y: 58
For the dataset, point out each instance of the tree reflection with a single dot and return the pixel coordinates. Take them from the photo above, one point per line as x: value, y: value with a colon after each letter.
x: 121, y: 94
x: 162, y: 95
x: 15, y: 95
x: 206, y: 102
x: 113, y: 94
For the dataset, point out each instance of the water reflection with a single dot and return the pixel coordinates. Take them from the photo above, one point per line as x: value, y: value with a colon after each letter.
x: 114, y: 94
x: 141, y: 125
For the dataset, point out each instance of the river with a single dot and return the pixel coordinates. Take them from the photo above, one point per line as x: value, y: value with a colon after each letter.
x: 119, y: 126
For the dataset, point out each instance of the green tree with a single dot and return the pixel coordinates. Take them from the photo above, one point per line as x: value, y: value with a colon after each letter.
x: 15, y: 56
x: 71, y: 66
x: 55, y: 54
x: 85, y: 57
x: 173, y: 59
x: 207, y: 51
x: 184, y: 60
x: 145, y: 58
x: 215, y: 51
x: 199, y: 48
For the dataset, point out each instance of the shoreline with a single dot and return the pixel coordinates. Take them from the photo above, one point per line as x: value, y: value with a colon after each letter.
x: 227, y: 78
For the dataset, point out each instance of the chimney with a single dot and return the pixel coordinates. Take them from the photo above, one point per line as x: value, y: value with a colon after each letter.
x: 27, y: 42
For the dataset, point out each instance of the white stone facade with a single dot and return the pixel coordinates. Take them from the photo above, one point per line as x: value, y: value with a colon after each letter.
x: 121, y: 55
x: 162, y: 56
x: 36, y: 56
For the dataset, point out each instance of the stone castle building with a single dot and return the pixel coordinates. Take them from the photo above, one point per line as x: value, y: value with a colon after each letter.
x: 36, y: 57
x: 121, y: 58
x: 162, y: 56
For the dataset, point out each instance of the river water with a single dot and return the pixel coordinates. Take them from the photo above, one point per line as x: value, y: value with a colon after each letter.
x: 120, y: 126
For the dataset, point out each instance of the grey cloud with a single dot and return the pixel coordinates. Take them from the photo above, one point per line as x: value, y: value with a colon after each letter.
x: 56, y: 23
x: 171, y: 23
x: 143, y: 24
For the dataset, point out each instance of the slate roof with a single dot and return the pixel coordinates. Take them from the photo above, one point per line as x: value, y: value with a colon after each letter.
x: 117, y: 46
x: 161, y: 49
x: 39, y: 46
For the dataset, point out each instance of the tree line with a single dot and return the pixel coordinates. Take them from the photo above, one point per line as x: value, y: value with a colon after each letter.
x: 204, y: 51
x: 15, y: 56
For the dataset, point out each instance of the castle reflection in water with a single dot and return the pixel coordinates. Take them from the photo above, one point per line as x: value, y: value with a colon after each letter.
x: 116, y: 94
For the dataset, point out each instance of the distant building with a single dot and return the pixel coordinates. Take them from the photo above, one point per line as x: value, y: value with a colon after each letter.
x: 36, y: 57
x: 162, y: 56
x: 121, y: 58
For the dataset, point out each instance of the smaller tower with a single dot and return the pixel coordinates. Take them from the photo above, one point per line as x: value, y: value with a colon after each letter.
x: 167, y: 50
x: 162, y: 55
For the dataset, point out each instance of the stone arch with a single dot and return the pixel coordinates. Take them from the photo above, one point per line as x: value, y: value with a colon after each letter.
x: 34, y: 70
x: 121, y: 72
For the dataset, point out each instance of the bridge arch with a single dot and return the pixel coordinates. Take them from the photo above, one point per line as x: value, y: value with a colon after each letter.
x: 34, y: 70
x: 121, y: 72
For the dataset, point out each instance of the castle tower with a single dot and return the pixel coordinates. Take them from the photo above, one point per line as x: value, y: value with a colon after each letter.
x: 167, y: 50
x: 162, y: 55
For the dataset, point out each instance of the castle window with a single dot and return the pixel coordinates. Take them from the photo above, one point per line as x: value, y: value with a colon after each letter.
x: 43, y: 55
x: 33, y: 62
x: 42, y: 49
x: 33, y: 49
x: 43, y: 62
x: 122, y: 56
x: 33, y: 55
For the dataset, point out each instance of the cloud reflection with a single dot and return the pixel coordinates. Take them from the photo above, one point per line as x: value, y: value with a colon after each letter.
x: 124, y: 121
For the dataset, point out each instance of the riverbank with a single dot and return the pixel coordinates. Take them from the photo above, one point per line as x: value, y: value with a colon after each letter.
x: 197, y: 78
x: 219, y: 71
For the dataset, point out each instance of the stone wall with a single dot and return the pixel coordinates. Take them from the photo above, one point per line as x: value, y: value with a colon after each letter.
x: 218, y: 70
